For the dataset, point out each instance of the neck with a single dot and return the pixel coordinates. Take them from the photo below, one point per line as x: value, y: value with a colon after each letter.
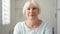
x: 33, y: 22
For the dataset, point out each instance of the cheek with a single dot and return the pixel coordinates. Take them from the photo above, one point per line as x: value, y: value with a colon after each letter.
x: 27, y: 13
x: 36, y: 11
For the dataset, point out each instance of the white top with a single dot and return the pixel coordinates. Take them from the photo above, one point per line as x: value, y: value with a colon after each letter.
x: 21, y: 28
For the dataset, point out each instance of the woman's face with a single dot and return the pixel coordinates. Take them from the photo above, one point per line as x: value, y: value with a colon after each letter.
x: 31, y: 11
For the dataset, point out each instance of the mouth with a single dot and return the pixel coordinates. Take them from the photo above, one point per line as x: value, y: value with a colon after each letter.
x: 32, y: 15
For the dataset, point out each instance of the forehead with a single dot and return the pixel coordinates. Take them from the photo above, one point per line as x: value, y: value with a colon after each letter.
x: 31, y: 5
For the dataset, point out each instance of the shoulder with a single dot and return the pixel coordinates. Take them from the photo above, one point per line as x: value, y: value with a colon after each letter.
x: 48, y: 28
x: 18, y: 28
x: 47, y: 25
x: 19, y: 24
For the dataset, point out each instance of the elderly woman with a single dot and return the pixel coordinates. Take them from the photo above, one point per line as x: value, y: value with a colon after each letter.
x: 32, y: 25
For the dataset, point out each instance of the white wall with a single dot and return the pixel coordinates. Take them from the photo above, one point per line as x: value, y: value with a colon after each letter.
x: 58, y: 22
x: 58, y: 16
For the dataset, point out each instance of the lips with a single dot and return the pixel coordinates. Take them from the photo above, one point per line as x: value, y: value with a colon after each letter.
x: 31, y: 15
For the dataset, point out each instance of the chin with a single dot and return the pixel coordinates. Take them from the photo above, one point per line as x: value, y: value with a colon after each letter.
x: 31, y: 18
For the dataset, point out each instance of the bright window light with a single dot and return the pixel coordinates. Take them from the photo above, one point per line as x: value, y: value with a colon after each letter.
x: 5, y: 12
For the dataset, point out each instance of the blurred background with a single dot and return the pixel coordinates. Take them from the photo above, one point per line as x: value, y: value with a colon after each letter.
x: 11, y: 13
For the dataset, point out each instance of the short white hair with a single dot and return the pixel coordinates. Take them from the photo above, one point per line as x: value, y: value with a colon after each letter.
x: 27, y: 4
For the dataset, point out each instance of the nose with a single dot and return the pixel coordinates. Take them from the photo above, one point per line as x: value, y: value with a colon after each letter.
x: 31, y: 10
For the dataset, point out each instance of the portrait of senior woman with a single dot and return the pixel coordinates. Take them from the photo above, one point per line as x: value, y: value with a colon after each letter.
x: 32, y: 25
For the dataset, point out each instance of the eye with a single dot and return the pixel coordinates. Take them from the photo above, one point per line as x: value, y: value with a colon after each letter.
x: 28, y: 8
x: 34, y: 8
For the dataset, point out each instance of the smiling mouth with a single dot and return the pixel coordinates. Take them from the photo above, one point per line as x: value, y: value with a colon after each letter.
x: 31, y: 15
